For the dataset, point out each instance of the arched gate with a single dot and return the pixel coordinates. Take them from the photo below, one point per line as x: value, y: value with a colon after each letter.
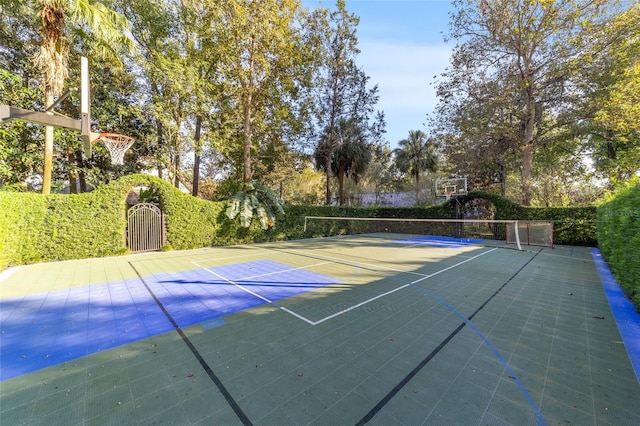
x: 145, y: 230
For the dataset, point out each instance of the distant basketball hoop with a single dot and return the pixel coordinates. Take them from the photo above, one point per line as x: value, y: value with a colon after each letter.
x: 451, y: 188
x: 116, y: 144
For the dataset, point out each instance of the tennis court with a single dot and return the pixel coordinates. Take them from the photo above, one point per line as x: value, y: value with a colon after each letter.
x: 381, y: 329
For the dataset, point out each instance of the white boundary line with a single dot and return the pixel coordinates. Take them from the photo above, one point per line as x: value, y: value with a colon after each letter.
x: 336, y: 314
x: 8, y: 272
x: 277, y: 272
x: 257, y: 295
x: 401, y: 287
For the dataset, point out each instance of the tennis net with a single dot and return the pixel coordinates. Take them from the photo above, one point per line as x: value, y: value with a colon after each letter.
x: 477, y: 231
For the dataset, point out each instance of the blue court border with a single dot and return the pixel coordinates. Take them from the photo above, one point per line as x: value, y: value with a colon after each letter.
x: 624, y: 312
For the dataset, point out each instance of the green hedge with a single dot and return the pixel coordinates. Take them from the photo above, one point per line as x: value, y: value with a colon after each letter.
x: 571, y: 225
x: 619, y: 238
x: 36, y: 228
x: 21, y: 217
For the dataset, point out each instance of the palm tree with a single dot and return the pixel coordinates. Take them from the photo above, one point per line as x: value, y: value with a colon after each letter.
x: 415, y: 155
x: 350, y: 155
x: 107, y: 27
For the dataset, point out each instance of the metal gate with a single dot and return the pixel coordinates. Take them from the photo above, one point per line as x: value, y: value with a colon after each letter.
x: 145, y: 230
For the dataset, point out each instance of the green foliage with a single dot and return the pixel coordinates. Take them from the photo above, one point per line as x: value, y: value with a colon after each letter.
x: 20, y: 150
x: 619, y: 237
x: 21, y: 217
x: 255, y: 198
x: 37, y: 228
x: 149, y: 196
x: 571, y: 225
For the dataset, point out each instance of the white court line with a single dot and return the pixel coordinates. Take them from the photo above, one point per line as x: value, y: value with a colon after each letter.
x: 376, y: 267
x: 8, y: 272
x: 285, y: 270
x: 401, y: 287
x: 320, y: 321
x: 231, y: 257
x: 256, y: 295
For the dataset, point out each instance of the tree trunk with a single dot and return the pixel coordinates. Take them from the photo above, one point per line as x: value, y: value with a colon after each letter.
x: 503, y: 178
x: 341, y: 197
x: 155, y: 91
x: 247, y: 111
x: 327, y: 168
x: 528, y: 148
x: 73, y: 181
x: 81, y: 175
x: 246, y: 155
x: 48, y: 149
x: 196, y: 160
x: 417, y: 189
x: 176, y: 163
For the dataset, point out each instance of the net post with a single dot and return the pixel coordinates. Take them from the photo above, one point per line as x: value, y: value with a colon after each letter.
x: 305, y: 224
x: 517, y: 234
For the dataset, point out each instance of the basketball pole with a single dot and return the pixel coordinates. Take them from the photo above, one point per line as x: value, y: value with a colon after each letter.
x: 85, y: 106
x: 115, y: 143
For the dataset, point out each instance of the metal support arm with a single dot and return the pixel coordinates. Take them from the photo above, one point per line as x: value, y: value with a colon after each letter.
x: 8, y: 113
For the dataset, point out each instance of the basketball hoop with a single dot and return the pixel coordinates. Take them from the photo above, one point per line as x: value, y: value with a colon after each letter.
x: 117, y: 145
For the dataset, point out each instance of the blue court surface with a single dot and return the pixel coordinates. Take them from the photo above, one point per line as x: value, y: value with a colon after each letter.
x: 43, y: 330
x: 442, y: 242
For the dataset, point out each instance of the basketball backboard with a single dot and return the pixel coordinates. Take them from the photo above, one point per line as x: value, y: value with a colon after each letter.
x: 451, y: 187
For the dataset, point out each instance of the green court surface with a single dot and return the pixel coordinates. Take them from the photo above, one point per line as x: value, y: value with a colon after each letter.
x: 333, y: 331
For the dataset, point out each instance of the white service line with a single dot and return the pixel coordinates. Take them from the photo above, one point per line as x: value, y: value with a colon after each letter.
x: 256, y: 294
x: 230, y: 257
x: 308, y: 321
x: 401, y: 287
x: 368, y: 265
x: 284, y: 270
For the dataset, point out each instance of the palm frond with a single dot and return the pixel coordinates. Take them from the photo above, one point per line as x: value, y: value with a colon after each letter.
x: 233, y: 209
x: 246, y: 213
x: 258, y: 200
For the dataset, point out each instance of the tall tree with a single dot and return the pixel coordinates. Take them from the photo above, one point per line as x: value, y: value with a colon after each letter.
x: 107, y: 27
x: 608, y: 74
x: 480, y: 130
x: 416, y: 155
x: 264, y: 71
x: 528, y: 47
x: 263, y: 66
x: 343, y: 93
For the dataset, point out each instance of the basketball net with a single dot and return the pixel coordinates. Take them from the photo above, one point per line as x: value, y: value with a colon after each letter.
x: 117, y: 145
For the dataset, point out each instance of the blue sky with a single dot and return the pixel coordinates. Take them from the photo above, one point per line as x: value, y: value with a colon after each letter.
x: 402, y: 49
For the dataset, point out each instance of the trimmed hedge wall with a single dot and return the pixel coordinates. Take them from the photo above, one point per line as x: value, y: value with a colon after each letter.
x: 37, y: 228
x: 574, y: 226
x: 619, y: 238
